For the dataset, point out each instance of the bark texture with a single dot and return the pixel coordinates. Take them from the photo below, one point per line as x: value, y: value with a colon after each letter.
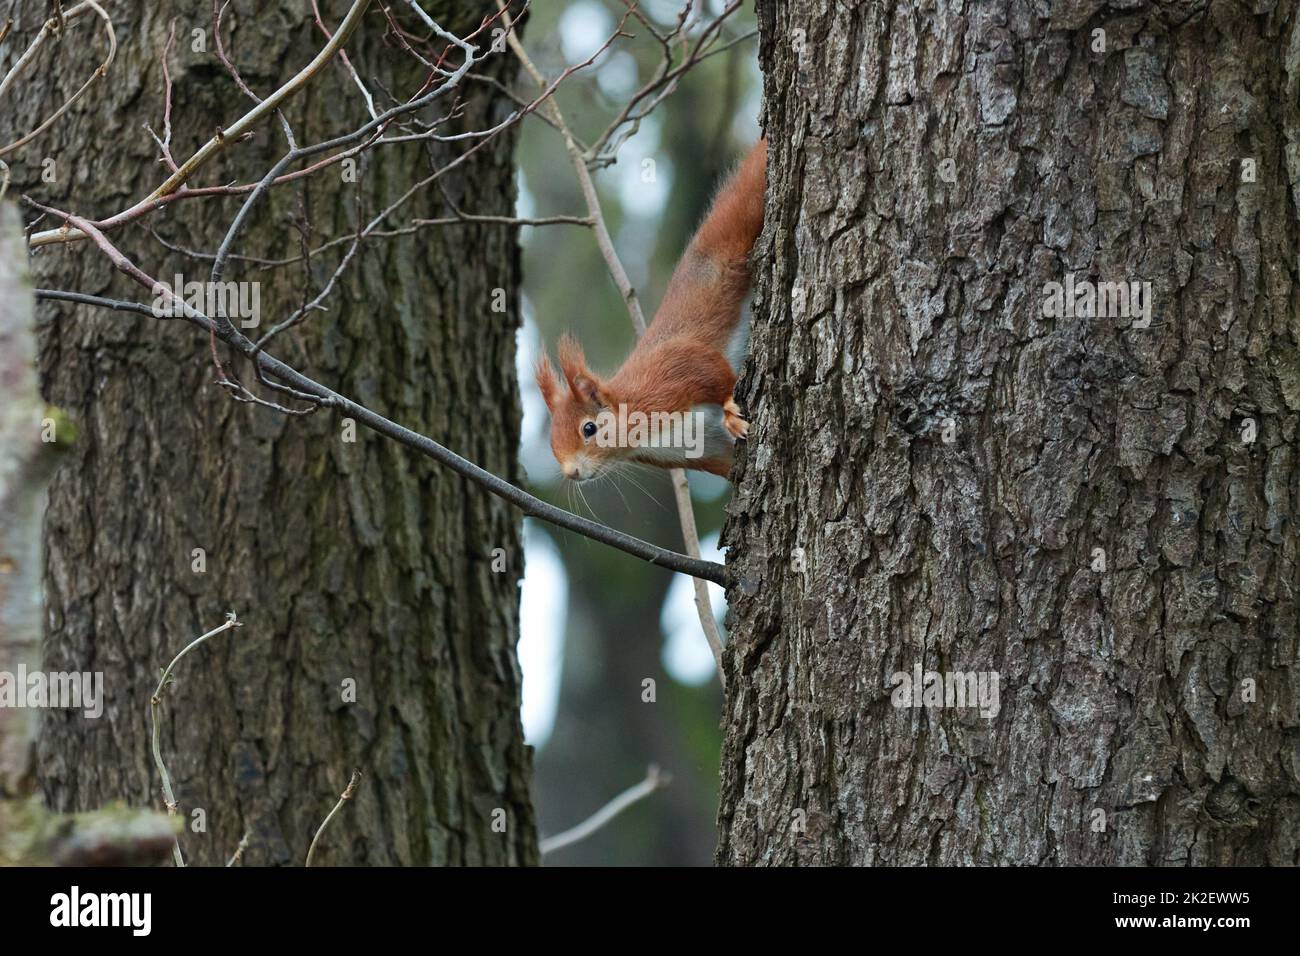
x: 1148, y: 711
x: 346, y: 560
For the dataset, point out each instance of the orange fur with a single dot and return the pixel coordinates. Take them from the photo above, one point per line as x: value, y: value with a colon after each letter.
x: 679, y: 362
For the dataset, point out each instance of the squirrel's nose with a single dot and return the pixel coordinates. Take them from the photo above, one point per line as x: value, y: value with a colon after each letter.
x: 573, y: 472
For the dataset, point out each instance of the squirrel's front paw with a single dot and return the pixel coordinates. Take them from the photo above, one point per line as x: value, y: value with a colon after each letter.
x: 731, y: 420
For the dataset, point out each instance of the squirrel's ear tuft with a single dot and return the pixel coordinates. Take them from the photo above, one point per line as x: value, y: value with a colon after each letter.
x: 572, y: 360
x: 587, y: 389
x: 547, y: 383
x: 584, y: 385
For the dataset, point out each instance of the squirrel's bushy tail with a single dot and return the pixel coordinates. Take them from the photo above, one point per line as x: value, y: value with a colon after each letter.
x: 709, y: 285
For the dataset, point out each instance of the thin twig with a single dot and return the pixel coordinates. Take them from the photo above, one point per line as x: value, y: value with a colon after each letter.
x: 218, y: 10
x: 654, y: 780
x: 691, y: 538
x: 239, y: 850
x: 155, y: 704
x: 165, y: 142
x: 603, y: 240
x: 343, y: 58
x: 664, y: 82
x: 236, y: 129
x: 343, y: 798
x: 361, y: 139
x: 293, y: 155
x: 100, y: 72
x: 49, y: 28
x: 461, y: 219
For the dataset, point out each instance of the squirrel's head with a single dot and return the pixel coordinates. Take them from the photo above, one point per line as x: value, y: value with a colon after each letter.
x: 575, y: 404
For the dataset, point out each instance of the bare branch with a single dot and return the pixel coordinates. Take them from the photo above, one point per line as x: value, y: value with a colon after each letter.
x: 552, y: 109
x: 165, y: 143
x: 218, y: 11
x: 461, y: 219
x: 235, y: 130
x: 239, y: 850
x: 343, y: 58
x: 664, y: 82
x: 654, y: 780
x: 357, y: 141
x: 691, y: 539
x: 155, y: 704
x: 343, y: 798
x: 99, y: 73
x: 50, y: 27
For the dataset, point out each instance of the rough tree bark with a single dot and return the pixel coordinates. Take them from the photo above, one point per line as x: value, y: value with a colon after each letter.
x: 345, y: 560
x: 956, y: 465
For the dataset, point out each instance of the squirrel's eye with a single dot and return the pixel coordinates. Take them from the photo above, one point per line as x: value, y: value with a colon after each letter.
x: 588, y: 429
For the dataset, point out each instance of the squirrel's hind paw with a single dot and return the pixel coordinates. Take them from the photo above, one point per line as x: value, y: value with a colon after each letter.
x: 736, y: 426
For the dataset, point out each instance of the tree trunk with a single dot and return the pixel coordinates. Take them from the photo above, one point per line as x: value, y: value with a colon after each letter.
x: 346, y: 560
x: 1099, y: 510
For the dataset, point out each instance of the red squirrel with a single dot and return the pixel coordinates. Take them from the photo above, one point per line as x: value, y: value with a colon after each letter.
x: 678, y: 366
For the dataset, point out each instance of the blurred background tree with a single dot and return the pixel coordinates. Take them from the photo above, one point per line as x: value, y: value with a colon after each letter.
x: 595, y: 623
